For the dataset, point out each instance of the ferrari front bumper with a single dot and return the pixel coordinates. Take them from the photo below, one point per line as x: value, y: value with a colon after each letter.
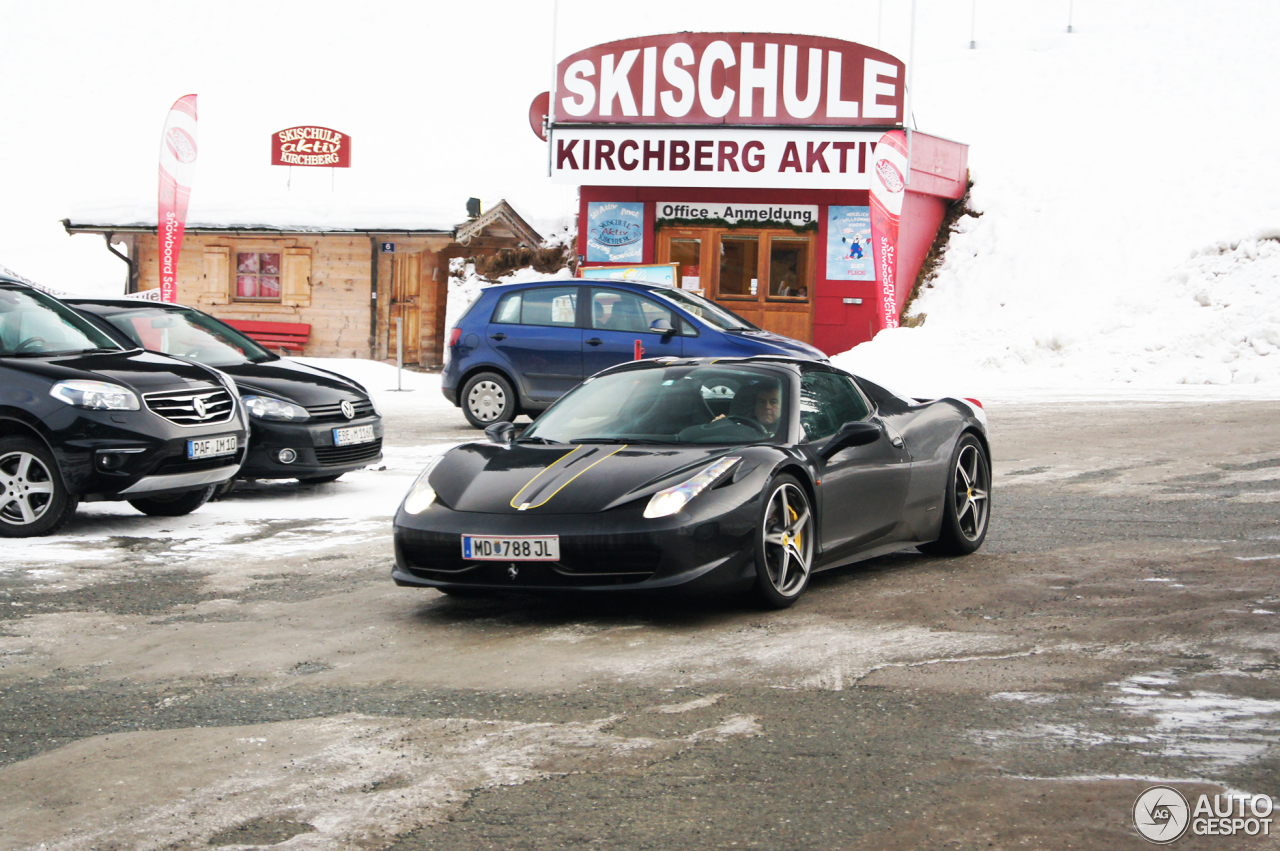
x: 711, y: 547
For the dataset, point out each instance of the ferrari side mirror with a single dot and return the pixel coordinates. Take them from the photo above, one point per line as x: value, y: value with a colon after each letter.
x: 500, y: 433
x: 858, y: 433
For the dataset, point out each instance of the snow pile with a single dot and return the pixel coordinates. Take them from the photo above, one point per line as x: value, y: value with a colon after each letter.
x: 1214, y: 321
x: 1232, y: 333
x: 1114, y: 249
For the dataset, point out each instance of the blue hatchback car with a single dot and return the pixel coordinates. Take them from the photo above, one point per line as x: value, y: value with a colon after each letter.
x: 520, y: 347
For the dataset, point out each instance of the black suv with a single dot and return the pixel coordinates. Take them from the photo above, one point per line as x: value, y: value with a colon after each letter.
x: 83, y: 419
x: 306, y: 423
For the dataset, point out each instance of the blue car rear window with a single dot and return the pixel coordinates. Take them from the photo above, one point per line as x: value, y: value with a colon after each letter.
x: 553, y: 306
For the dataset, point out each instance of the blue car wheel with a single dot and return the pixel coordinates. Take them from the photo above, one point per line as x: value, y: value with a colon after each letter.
x: 487, y: 398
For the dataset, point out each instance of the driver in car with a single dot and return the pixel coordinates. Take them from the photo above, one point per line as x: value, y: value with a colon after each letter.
x: 768, y: 405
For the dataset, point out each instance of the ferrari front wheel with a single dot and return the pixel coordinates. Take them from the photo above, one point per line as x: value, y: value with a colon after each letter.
x: 784, y: 547
x: 967, y: 501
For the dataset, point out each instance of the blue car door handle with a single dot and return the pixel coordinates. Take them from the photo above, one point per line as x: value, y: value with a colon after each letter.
x: 499, y: 336
x: 594, y: 341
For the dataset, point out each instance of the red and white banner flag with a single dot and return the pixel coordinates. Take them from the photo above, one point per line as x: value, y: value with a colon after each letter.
x: 177, y: 166
x: 888, y: 185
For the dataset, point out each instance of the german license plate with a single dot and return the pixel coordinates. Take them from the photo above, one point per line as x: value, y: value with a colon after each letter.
x: 353, y: 435
x: 495, y: 548
x: 212, y: 447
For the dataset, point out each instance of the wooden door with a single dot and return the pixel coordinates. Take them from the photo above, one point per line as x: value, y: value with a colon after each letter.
x: 764, y: 276
x: 406, y: 291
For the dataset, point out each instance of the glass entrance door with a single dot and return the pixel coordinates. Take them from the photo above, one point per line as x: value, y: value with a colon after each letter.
x: 765, y: 276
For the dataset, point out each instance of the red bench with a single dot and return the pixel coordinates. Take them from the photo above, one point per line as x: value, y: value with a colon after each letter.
x: 274, y: 335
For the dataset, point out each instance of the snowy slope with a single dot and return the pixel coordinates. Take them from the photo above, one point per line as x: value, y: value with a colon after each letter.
x: 1123, y: 173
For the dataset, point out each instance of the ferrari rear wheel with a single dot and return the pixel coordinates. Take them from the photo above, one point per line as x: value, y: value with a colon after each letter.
x: 784, y: 551
x: 967, y: 502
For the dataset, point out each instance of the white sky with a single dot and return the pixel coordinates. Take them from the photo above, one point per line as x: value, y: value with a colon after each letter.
x: 435, y: 95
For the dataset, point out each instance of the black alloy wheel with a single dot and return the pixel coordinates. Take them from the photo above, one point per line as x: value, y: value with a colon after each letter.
x: 967, y: 502
x: 784, y: 544
x: 33, y: 499
x: 174, y: 505
x: 487, y: 398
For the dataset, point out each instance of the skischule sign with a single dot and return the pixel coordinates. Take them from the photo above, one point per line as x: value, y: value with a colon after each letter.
x: 311, y: 146
x: 731, y: 78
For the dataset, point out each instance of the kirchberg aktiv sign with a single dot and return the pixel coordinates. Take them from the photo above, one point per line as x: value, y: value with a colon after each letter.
x: 311, y: 146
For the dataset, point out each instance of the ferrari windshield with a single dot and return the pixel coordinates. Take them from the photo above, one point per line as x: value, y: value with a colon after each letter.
x: 33, y: 324
x: 187, y: 334
x: 713, y: 404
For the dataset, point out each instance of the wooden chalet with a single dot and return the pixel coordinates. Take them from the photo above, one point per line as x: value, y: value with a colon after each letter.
x: 350, y: 285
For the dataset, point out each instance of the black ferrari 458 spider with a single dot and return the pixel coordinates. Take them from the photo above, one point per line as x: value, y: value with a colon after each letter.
x: 700, y: 474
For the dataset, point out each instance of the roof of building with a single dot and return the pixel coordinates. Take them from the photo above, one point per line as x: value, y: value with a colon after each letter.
x: 501, y: 226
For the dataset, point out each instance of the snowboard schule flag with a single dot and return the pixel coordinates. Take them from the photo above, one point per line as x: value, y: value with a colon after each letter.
x: 177, y: 166
x: 888, y: 184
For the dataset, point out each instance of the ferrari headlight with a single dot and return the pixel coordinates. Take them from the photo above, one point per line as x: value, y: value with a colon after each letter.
x: 421, y: 494
x: 664, y: 503
x: 95, y: 395
x: 269, y: 408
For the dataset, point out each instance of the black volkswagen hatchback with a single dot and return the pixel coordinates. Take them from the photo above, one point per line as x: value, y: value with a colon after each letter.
x: 305, y: 423
x: 83, y: 418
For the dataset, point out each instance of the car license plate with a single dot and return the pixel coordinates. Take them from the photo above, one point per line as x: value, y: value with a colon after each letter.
x: 494, y: 548
x: 353, y: 435
x: 212, y: 447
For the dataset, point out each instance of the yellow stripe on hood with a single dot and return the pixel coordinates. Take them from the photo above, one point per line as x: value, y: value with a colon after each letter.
x: 526, y: 505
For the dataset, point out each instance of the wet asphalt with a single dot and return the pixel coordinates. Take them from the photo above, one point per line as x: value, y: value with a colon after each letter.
x: 1118, y: 629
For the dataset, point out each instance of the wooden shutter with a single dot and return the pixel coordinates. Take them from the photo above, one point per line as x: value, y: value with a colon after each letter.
x: 295, y: 277
x: 216, y: 287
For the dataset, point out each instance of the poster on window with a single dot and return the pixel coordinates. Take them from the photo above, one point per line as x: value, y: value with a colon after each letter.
x: 849, y: 244
x: 258, y: 274
x: 662, y: 274
x: 615, y: 232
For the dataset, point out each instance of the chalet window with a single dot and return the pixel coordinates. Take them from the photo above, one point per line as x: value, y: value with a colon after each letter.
x: 257, y: 276
x: 257, y: 273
